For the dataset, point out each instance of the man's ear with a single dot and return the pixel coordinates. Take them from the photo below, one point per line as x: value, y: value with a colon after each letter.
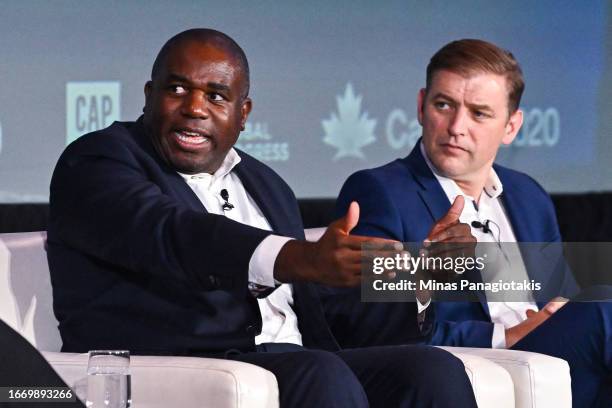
x: 148, y: 89
x: 513, y: 126
x: 245, y: 109
x: 421, y: 105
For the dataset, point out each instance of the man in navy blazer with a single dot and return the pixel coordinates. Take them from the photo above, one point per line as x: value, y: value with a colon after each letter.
x: 467, y: 110
x: 163, y: 239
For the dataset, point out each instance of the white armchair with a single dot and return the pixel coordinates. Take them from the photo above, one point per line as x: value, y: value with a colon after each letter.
x: 26, y: 305
x: 500, y: 378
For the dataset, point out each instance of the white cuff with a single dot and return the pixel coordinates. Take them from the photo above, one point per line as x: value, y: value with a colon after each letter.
x: 261, y: 265
x: 499, y: 336
x: 421, y: 307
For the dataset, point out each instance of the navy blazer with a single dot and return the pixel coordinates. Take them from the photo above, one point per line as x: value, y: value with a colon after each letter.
x: 402, y: 200
x: 138, y: 263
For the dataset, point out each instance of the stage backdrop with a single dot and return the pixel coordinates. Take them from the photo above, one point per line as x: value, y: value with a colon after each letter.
x: 334, y: 83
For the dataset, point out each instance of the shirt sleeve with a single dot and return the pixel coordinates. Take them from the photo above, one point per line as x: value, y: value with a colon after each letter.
x: 261, y: 265
x: 498, y: 340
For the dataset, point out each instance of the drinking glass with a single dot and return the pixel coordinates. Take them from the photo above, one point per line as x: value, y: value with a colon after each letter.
x: 108, y: 379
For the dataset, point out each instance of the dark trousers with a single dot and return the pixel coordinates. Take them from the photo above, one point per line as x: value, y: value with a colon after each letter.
x: 580, y: 333
x: 392, y: 376
x: 22, y: 365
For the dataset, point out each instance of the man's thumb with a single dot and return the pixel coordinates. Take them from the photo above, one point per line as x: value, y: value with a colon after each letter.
x: 350, y: 219
x: 454, y: 212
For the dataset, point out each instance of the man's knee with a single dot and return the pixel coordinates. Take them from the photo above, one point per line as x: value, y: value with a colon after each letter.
x: 329, y: 378
x: 322, y: 363
x: 432, y: 364
x: 423, y: 374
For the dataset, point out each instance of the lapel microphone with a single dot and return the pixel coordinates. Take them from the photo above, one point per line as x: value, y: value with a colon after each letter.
x: 483, y: 226
x: 226, y: 205
x: 486, y: 229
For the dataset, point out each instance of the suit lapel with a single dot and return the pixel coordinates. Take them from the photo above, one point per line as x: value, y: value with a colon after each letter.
x: 184, y: 193
x: 431, y: 192
x: 519, y: 216
x: 261, y: 193
x: 517, y: 212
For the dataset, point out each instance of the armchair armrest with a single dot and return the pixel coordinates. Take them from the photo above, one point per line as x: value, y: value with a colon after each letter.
x: 539, y: 380
x: 187, y: 382
x: 491, y: 383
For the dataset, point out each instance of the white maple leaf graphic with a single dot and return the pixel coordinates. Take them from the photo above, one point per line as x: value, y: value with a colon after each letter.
x: 349, y: 131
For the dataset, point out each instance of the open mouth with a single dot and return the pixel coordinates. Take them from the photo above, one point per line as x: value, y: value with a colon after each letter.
x: 190, y: 137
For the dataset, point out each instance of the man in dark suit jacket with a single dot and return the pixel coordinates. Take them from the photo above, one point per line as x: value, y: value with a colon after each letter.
x: 149, y: 251
x: 468, y: 109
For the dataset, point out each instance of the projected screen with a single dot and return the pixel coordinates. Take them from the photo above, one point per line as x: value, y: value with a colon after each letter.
x: 334, y: 84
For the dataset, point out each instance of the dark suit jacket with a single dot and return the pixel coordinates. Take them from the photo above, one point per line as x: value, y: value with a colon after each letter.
x: 137, y: 262
x: 402, y: 200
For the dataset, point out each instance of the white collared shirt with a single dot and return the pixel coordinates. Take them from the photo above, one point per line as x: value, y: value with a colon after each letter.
x: 503, y: 314
x: 279, y: 321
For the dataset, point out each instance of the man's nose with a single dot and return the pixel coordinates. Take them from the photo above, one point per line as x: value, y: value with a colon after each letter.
x: 195, y: 105
x: 458, y: 123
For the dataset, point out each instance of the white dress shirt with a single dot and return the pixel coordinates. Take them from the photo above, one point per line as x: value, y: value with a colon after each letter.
x: 279, y: 321
x: 503, y: 314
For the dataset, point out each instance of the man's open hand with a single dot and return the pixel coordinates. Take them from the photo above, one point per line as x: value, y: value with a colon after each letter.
x: 335, y: 259
x: 534, y: 319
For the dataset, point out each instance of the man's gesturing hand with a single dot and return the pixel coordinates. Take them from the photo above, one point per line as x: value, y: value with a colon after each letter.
x: 449, y: 229
x: 335, y: 259
x: 448, y: 238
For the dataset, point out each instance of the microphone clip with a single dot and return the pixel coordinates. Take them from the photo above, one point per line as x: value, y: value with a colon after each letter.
x: 226, y: 206
x: 483, y: 226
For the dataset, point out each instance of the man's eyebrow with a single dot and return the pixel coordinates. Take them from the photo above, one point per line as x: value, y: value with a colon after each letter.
x: 218, y: 87
x: 178, y: 78
x: 480, y: 107
x: 475, y: 106
x: 442, y: 95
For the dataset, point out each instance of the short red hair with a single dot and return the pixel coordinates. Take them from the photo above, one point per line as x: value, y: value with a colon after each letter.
x: 468, y: 56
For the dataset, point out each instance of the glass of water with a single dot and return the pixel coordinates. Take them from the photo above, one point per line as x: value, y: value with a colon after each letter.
x: 108, y: 379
